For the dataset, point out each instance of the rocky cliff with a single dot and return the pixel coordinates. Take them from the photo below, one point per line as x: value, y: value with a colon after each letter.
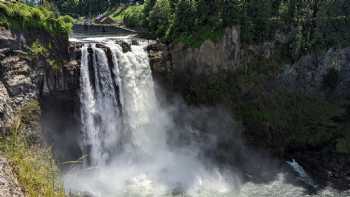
x: 26, y: 78
x: 325, y: 74
x: 211, y: 57
x: 286, y: 107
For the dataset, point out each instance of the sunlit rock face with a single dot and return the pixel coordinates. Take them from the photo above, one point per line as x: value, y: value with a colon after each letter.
x: 16, y: 79
x: 210, y: 57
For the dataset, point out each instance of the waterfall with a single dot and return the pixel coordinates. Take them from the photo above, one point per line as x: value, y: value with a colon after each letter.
x: 124, y: 131
x: 88, y: 110
x: 101, y: 122
x: 117, y: 103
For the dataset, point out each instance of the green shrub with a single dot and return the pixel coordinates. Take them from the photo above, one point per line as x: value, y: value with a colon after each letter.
x: 297, y: 118
x: 38, y: 49
x: 195, y: 40
x: 159, y: 17
x: 133, y: 16
x: 55, y: 64
x: 22, y: 17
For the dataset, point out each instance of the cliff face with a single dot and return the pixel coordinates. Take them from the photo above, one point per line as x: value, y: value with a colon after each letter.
x: 319, y: 74
x: 291, y: 109
x: 60, y: 106
x: 324, y: 74
x: 24, y: 78
x: 17, y: 81
x: 210, y: 57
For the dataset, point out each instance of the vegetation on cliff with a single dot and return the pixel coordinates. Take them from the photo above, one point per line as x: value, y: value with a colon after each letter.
x: 23, y: 17
x: 42, y: 40
x: 313, y: 25
x: 283, y: 119
x: 33, y: 164
x: 45, y: 31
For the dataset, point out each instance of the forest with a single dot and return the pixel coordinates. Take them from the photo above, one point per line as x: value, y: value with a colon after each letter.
x: 315, y: 24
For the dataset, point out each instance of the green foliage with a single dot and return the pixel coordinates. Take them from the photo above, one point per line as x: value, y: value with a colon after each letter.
x: 81, y: 8
x: 296, y: 118
x: 34, y: 166
x: 38, y: 49
x: 65, y: 23
x: 280, y: 117
x: 133, y: 16
x: 196, y: 39
x: 55, y: 64
x: 19, y: 16
x: 159, y: 17
x: 30, y: 114
x: 310, y: 26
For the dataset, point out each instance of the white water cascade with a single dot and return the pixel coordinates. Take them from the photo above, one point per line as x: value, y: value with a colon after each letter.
x: 100, y: 113
x: 125, y: 137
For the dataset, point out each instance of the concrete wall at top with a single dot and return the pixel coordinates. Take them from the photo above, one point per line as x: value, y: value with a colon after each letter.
x: 101, y: 29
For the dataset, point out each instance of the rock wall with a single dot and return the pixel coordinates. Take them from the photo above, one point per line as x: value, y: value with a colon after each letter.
x: 322, y: 74
x: 17, y: 77
x: 291, y: 109
x: 60, y: 106
x: 24, y: 78
x: 326, y: 74
x: 210, y: 57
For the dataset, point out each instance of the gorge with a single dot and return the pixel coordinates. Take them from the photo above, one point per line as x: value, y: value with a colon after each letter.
x: 196, y: 99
